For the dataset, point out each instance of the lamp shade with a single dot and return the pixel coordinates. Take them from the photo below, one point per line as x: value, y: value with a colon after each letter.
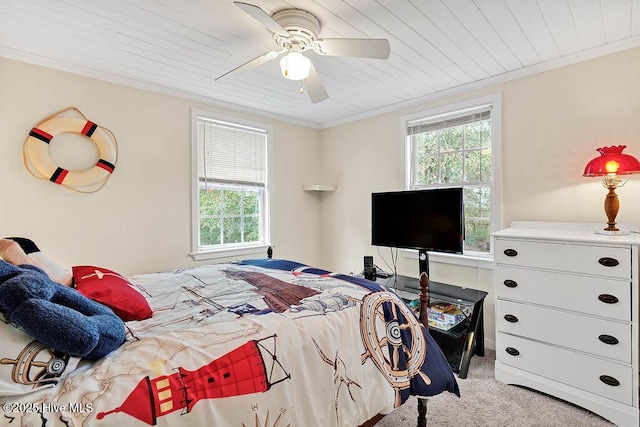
x: 295, y: 66
x: 612, y: 161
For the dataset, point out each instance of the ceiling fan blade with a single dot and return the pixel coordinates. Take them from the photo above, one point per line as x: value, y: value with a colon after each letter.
x: 266, y: 57
x: 314, y: 87
x: 360, y: 48
x: 263, y: 17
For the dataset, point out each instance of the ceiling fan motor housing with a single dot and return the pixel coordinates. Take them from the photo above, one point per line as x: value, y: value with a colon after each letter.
x: 302, y: 25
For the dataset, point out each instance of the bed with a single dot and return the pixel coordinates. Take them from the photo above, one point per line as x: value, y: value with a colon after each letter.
x: 262, y: 342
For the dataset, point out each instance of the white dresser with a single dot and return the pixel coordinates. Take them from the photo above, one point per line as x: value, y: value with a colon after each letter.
x: 567, y: 315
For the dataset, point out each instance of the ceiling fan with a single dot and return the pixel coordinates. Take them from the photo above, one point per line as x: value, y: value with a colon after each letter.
x: 295, y: 31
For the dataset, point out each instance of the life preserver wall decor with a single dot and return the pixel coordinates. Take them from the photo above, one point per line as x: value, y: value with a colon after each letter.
x: 38, y: 161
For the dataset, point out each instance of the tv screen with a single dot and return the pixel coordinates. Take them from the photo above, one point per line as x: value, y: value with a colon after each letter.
x: 431, y: 220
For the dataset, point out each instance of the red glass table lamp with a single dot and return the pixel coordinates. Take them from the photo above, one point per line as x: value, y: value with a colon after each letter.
x: 609, y: 167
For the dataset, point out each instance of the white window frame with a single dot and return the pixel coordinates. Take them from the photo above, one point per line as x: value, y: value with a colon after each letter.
x: 227, y: 251
x: 473, y: 259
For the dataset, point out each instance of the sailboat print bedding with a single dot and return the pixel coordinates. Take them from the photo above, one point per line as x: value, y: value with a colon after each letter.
x: 253, y: 343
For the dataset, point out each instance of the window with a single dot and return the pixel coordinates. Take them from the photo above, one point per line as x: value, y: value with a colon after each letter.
x: 458, y: 146
x: 231, y: 184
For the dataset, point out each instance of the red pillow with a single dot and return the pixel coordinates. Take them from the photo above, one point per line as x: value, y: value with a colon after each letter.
x: 113, y: 290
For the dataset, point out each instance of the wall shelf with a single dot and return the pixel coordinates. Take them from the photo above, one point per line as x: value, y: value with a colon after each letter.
x: 317, y: 187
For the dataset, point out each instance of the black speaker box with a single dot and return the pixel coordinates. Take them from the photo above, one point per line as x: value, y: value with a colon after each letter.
x: 369, y: 268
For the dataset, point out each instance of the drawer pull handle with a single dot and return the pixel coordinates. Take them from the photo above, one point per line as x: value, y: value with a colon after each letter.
x: 514, y: 352
x: 608, y: 380
x: 608, y: 339
x: 608, y: 262
x: 510, y: 252
x: 608, y: 299
x: 510, y: 318
x: 510, y: 283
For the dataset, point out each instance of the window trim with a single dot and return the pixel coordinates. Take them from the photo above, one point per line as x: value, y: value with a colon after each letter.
x: 476, y: 261
x: 241, y: 249
x: 439, y: 113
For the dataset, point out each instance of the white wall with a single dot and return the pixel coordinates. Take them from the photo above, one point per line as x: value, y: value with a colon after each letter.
x: 140, y: 221
x: 552, y: 124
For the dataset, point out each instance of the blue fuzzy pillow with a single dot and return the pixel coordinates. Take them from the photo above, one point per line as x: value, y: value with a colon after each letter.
x: 58, y: 316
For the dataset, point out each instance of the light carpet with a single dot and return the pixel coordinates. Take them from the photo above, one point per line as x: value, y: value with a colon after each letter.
x: 486, y: 402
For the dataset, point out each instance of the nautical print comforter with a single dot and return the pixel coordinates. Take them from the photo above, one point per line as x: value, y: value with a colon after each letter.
x: 254, y: 343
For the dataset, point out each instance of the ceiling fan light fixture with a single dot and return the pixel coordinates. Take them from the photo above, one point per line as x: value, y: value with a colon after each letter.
x: 295, y: 66
x: 296, y: 31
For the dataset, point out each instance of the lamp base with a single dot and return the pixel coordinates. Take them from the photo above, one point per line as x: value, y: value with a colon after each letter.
x: 612, y: 233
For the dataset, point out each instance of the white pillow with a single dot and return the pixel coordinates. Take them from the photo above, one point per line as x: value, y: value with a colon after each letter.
x: 20, y: 250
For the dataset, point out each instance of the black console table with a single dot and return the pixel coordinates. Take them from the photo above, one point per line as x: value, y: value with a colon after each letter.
x: 463, y: 340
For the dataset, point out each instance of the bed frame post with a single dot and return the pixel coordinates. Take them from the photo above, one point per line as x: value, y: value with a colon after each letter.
x: 424, y: 299
x: 422, y: 412
x: 424, y: 319
x: 423, y: 259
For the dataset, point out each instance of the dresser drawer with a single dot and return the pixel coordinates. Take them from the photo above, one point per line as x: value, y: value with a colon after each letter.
x: 584, y: 333
x: 583, y: 259
x: 565, y: 291
x: 568, y: 367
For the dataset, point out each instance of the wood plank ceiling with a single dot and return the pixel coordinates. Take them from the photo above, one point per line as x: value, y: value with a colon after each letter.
x: 437, y: 47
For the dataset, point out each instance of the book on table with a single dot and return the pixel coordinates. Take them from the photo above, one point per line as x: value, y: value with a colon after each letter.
x: 442, y: 315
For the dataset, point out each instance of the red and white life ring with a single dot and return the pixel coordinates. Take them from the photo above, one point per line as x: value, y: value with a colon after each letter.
x: 39, y: 163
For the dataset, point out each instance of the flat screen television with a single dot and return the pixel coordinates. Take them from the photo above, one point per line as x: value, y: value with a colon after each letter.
x: 427, y: 220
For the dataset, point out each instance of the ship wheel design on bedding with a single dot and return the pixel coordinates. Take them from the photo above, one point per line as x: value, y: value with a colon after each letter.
x: 34, y: 366
x: 383, y: 322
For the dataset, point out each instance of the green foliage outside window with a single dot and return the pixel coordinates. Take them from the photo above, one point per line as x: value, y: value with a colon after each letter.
x: 477, y: 207
x: 229, y: 215
x: 460, y: 155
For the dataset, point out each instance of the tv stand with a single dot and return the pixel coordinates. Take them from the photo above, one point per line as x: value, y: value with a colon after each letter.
x: 462, y: 341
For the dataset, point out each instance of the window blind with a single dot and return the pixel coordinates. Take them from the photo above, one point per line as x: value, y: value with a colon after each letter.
x: 422, y: 126
x: 232, y: 154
